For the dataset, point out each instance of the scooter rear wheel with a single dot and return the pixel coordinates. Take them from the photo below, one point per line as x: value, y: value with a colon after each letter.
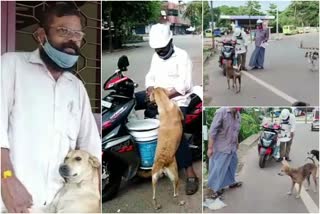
x: 262, y: 161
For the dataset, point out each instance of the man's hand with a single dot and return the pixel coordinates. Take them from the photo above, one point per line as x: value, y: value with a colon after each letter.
x: 210, y: 152
x: 15, y: 196
x: 292, y: 135
x: 149, y: 90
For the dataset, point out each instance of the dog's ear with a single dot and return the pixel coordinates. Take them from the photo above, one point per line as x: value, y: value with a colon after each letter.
x: 94, y: 161
x: 166, y: 91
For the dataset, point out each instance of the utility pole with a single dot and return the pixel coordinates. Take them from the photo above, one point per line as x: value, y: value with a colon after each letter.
x: 277, y: 22
x: 212, y: 36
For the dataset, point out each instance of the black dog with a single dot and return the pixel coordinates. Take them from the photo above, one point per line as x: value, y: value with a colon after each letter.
x: 314, y: 153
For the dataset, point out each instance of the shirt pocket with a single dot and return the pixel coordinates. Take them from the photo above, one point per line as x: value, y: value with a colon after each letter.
x: 174, y: 72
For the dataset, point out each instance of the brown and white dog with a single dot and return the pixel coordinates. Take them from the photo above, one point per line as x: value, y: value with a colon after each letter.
x: 298, y: 175
x: 169, y: 137
x: 234, y: 74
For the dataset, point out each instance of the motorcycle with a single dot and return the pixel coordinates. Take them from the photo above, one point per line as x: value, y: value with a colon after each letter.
x: 120, y: 155
x: 269, y: 143
x: 229, y: 55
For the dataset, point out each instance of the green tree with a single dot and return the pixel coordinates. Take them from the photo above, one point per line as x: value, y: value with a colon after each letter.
x: 194, y: 13
x: 126, y: 14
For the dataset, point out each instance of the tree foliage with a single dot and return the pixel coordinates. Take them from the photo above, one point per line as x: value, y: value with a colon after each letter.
x: 300, y: 13
x: 127, y: 14
x: 194, y: 13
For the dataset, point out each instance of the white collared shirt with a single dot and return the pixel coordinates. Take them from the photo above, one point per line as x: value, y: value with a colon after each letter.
x: 175, y: 72
x: 41, y: 119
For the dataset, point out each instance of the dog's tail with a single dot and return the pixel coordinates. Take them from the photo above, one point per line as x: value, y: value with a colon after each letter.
x: 311, y: 159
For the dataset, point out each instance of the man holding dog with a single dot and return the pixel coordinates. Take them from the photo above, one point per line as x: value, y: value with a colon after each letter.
x: 222, y: 150
x: 45, y: 112
x: 171, y: 68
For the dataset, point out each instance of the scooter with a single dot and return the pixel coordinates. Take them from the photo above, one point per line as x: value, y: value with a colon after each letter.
x: 120, y: 155
x: 269, y: 143
x: 227, y: 54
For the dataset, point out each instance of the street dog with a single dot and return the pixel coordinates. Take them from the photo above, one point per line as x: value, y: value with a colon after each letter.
x: 234, y: 74
x: 80, y: 192
x: 169, y: 137
x: 298, y: 175
x: 314, y: 153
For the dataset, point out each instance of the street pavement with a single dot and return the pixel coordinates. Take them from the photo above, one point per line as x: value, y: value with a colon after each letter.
x: 136, y: 196
x: 264, y: 191
x: 140, y: 58
x: 285, y: 79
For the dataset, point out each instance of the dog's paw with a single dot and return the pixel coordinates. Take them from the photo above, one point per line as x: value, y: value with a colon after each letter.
x: 289, y: 193
x: 181, y: 203
x: 298, y: 196
x: 157, y: 207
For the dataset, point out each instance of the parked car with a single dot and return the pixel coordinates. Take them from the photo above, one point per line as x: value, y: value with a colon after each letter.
x: 315, y: 120
x: 289, y: 29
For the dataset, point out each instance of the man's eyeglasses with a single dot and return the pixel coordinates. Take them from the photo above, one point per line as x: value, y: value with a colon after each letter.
x: 66, y: 32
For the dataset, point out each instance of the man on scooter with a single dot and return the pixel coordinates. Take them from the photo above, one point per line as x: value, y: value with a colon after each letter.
x: 288, y: 123
x: 170, y: 68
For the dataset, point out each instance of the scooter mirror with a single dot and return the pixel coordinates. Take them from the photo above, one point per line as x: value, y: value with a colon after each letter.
x: 123, y: 63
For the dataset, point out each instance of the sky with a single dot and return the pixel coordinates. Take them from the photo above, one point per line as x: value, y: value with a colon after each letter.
x: 264, y: 4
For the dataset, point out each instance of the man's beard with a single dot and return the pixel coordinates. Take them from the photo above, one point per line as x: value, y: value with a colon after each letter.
x: 52, y: 64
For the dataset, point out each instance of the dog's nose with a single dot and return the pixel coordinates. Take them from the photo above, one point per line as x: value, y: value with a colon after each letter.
x: 64, y: 170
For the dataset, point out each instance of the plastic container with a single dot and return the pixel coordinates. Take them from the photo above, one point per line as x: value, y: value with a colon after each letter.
x: 147, y: 150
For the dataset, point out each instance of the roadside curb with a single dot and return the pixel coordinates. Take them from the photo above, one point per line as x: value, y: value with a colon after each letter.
x: 244, y: 147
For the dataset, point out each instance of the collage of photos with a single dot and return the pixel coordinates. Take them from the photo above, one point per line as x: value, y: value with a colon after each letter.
x: 154, y: 106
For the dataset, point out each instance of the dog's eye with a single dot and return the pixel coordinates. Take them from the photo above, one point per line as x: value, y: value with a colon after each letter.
x: 78, y: 159
x: 66, y: 158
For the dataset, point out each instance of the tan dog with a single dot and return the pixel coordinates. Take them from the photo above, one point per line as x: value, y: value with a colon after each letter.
x: 169, y: 137
x: 234, y: 74
x: 80, y: 193
x: 298, y: 175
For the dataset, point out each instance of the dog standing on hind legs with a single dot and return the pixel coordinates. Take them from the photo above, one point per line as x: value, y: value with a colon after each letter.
x: 169, y: 137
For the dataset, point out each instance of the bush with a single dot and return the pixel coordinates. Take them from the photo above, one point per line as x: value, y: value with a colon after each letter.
x: 250, y: 124
x: 133, y: 39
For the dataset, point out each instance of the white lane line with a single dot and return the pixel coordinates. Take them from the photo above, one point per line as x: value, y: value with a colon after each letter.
x: 307, y: 200
x: 271, y: 88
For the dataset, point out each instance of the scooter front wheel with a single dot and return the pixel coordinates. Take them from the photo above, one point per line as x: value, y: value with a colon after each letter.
x: 262, y: 161
x: 111, y: 180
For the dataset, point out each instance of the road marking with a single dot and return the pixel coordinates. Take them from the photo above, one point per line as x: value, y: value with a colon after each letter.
x: 271, y: 88
x: 307, y: 200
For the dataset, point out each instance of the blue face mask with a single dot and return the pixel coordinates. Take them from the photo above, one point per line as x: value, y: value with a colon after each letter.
x: 62, y: 59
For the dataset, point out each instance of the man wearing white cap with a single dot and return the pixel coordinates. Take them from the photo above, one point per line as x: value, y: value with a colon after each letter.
x: 171, y: 68
x: 242, y: 46
x: 288, y: 123
x: 261, y: 36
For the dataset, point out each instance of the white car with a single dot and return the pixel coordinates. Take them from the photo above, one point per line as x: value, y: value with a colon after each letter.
x: 315, y: 120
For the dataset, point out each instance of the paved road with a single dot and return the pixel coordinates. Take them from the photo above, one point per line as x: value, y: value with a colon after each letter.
x: 140, y: 59
x: 286, y: 73
x: 265, y: 191
x: 136, y: 197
